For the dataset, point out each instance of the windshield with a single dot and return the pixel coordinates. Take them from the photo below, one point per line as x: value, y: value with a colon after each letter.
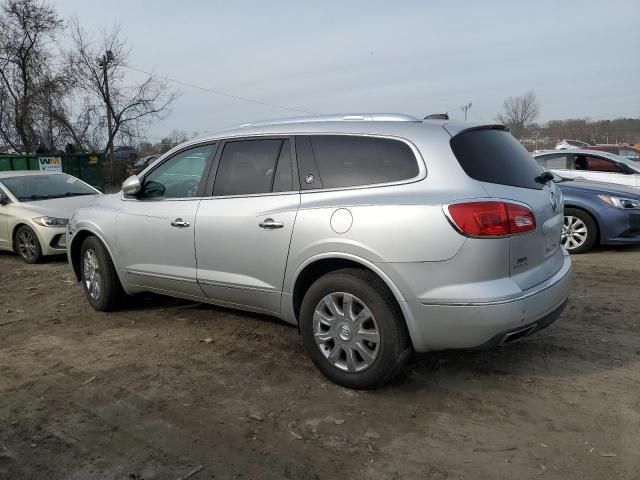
x: 41, y: 187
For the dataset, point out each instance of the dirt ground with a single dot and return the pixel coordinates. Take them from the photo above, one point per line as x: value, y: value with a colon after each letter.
x: 168, y: 388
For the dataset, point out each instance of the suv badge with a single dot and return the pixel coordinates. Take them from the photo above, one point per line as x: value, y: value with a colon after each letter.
x: 554, y: 201
x: 309, y: 179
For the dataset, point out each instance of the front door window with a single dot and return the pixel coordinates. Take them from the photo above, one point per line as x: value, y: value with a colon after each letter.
x: 180, y: 176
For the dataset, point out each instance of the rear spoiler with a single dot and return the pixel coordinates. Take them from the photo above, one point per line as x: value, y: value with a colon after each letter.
x: 456, y: 128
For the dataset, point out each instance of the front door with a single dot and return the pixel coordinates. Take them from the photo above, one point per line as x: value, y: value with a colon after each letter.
x: 600, y: 169
x: 243, y: 230
x: 155, y: 230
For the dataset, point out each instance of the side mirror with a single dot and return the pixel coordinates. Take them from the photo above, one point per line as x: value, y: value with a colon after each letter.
x: 131, y: 185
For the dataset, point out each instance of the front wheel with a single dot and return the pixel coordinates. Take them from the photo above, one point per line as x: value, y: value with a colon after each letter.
x: 579, y: 231
x: 353, y: 329
x: 99, y: 278
x: 27, y: 245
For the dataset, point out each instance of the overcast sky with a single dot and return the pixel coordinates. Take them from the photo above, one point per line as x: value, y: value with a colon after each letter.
x: 582, y: 58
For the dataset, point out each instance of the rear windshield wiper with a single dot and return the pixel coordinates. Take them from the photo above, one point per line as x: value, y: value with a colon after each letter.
x: 76, y: 194
x: 544, y: 177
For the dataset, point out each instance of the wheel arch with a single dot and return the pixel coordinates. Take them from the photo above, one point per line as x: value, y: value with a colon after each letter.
x: 319, y: 265
x: 14, y: 232
x: 76, y: 245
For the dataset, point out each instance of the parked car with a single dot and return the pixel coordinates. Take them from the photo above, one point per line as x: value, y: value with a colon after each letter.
x: 140, y: 164
x: 35, y: 208
x: 598, y: 213
x: 591, y: 165
x: 567, y: 144
x: 626, y: 151
x: 124, y: 154
x: 374, y: 234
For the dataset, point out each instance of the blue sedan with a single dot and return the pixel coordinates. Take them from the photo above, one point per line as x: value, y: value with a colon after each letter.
x: 598, y: 213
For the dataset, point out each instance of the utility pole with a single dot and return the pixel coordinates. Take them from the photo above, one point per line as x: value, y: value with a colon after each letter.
x: 104, y: 63
x: 466, y: 109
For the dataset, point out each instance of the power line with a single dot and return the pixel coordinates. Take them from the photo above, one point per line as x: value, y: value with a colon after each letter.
x: 218, y: 92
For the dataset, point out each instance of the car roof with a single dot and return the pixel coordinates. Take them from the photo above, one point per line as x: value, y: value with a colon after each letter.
x: 605, y: 146
x: 354, y: 123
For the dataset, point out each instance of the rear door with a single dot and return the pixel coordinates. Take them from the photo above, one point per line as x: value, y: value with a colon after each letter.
x: 507, y: 171
x: 244, y: 225
x: 556, y: 162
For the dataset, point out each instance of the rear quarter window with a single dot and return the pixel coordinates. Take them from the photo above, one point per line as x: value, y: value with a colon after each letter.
x: 495, y: 156
x: 348, y: 161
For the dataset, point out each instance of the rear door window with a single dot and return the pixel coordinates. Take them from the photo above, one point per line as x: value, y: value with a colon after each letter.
x: 495, y: 156
x: 553, y: 162
x: 349, y: 161
x: 249, y: 167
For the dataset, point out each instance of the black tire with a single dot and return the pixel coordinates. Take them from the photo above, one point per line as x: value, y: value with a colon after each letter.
x: 591, y: 228
x: 110, y: 295
x: 393, y: 348
x: 27, y: 245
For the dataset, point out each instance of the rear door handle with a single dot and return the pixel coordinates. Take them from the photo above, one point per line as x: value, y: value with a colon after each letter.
x: 178, y: 222
x: 270, y: 224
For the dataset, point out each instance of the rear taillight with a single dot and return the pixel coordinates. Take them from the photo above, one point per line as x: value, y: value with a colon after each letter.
x: 492, y: 219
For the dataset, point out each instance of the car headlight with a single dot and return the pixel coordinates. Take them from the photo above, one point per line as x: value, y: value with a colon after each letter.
x: 621, y: 202
x: 51, y: 221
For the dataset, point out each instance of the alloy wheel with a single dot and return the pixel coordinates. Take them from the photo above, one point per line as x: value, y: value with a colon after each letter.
x: 346, y: 332
x: 92, y: 276
x: 27, y: 244
x: 574, y: 232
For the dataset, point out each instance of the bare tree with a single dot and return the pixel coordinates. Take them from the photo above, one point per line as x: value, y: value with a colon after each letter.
x: 27, y: 27
x: 519, y: 112
x: 100, y: 69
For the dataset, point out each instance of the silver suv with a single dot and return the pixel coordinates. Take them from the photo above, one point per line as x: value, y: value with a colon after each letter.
x: 375, y: 234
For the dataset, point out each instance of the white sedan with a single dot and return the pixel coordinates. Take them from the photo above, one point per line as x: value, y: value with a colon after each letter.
x: 35, y: 208
x: 590, y: 165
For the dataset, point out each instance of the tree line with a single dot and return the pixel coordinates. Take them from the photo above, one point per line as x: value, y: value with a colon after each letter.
x: 78, y: 98
x: 520, y: 112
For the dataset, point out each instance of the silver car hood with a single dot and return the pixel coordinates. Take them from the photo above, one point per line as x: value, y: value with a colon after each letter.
x: 59, y: 207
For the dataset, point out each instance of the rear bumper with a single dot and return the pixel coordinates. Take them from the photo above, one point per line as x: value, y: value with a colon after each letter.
x: 479, y: 324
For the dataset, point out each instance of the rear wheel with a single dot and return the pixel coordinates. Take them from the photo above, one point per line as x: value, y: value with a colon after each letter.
x: 99, y: 278
x: 27, y: 245
x: 579, y: 231
x: 353, y: 330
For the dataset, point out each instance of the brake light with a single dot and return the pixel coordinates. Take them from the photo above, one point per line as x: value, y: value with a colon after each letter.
x: 492, y: 219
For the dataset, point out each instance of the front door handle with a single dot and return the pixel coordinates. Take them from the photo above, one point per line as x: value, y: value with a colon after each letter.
x: 178, y: 222
x: 270, y: 224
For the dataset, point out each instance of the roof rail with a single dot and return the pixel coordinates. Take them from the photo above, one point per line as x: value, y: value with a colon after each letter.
x: 353, y: 117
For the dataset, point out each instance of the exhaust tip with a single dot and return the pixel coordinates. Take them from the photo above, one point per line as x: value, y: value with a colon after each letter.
x: 518, y: 334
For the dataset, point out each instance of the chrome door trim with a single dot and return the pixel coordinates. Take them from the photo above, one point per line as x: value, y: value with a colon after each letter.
x: 158, y: 275
x: 213, y: 283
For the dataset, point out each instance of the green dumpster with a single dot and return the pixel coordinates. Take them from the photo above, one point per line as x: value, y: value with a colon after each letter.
x: 86, y: 166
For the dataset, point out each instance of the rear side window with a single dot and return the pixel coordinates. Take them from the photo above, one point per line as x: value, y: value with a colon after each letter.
x: 495, y: 156
x: 247, y: 167
x: 554, y: 161
x: 348, y: 161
